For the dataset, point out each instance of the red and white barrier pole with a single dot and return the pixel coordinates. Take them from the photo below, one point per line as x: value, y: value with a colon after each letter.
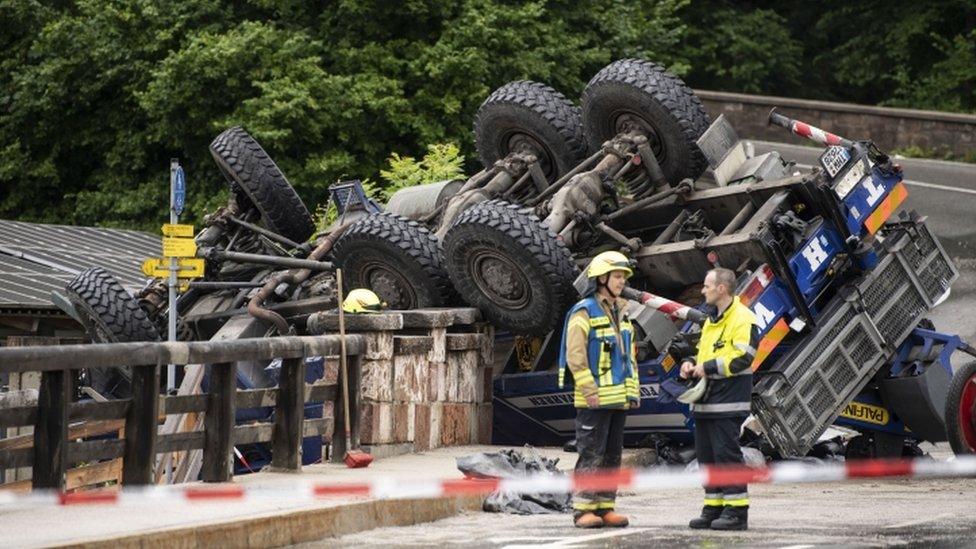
x: 803, y: 129
x: 666, y: 306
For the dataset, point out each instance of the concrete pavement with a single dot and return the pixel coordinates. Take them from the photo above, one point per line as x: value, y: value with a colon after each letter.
x: 262, y: 522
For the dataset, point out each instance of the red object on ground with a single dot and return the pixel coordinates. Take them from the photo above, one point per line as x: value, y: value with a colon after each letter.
x: 354, y: 459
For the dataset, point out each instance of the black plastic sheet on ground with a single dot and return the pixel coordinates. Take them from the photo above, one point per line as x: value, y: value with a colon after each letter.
x: 515, y: 464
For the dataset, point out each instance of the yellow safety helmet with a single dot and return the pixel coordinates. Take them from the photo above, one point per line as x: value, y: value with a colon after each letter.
x: 362, y: 300
x: 607, y: 262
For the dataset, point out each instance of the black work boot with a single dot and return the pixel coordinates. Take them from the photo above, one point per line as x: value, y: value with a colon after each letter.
x: 709, y: 513
x: 733, y: 518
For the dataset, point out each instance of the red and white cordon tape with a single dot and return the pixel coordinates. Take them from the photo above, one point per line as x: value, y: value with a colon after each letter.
x: 785, y: 472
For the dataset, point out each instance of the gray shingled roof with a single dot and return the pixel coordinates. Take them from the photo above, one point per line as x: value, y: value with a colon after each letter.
x: 37, y: 258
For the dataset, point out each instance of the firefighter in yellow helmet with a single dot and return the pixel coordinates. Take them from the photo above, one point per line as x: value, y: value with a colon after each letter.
x: 362, y: 300
x: 598, y: 348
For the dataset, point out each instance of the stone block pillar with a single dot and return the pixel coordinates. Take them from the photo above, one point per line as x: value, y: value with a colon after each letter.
x: 426, y: 379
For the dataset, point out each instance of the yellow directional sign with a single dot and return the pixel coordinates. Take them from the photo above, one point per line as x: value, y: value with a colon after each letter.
x: 186, y: 267
x: 179, y: 247
x: 172, y: 229
x: 191, y: 267
x: 152, y: 265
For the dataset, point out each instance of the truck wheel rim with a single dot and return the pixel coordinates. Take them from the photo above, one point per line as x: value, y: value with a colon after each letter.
x: 390, y: 285
x: 626, y: 121
x: 967, y: 413
x: 499, y: 278
x: 523, y: 142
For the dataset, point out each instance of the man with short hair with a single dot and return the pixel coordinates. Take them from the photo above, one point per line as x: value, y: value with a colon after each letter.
x: 725, y: 353
x: 598, y: 348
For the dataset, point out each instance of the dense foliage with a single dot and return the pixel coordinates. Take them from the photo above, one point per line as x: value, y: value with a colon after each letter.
x: 97, y: 95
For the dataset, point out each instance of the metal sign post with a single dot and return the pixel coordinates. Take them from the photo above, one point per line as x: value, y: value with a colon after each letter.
x: 177, y: 199
x: 178, y: 265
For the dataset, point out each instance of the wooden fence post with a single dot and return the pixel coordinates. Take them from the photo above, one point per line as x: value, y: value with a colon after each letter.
x: 286, y: 439
x: 140, y: 427
x: 219, y: 422
x: 51, y: 431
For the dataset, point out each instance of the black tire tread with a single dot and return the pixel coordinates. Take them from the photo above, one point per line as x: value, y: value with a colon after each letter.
x: 523, y: 227
x: 542, y: 100
x: 109, y: 315
x: 100, y: 298
x: 669, y: 91
x: 246, y: 164
x: 413, y: 239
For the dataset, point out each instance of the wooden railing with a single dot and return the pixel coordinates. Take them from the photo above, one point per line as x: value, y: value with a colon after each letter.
x: 53, y: 452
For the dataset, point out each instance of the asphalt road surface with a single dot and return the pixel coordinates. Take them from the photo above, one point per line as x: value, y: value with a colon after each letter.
x: 861, y: 514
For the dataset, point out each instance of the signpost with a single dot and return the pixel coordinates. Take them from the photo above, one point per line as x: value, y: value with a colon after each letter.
x: 171, y: 245
x: 177, y: 265
x: 177, y: 199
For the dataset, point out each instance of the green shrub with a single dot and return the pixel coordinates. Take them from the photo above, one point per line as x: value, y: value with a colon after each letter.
x: 443, y: 161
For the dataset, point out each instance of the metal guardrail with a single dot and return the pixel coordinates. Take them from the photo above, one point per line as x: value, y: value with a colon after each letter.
x: 52, y: 452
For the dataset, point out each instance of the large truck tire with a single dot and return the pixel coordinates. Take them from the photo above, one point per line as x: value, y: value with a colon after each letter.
x: 395, y: 257
x: 505, y: 261
x: 637, y: 94
x: 109, y: 315
x: 533, y: 115
x: 250, y: 170
x: 960, y: 415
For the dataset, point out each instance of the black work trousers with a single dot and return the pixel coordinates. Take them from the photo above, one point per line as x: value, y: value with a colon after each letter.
x: 599, y: 442
x: 717, y: 443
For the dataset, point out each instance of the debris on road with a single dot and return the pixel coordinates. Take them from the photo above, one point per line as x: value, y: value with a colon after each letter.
x: 515, y: 464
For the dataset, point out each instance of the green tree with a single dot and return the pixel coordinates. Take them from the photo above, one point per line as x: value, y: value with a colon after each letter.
x: 97, y: 95
x: 950, y: 85
x: 875, y: 51
x: 736, y: 48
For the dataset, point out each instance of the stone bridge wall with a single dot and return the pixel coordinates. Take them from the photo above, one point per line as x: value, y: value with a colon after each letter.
x: 890, y: 128
x: 426, y: 379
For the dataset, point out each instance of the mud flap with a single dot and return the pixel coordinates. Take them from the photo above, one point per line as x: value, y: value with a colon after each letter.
x: 920, y: 401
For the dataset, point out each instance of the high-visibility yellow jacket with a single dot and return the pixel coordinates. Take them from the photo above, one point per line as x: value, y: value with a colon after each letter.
x: 608, y: 368
x: 725, y: 351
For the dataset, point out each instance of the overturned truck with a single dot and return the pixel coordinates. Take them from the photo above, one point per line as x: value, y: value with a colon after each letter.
x: 840, y: 288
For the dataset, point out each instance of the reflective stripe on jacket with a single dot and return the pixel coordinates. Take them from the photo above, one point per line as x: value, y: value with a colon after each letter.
x: 610, y: 370
x: 725, y: 351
